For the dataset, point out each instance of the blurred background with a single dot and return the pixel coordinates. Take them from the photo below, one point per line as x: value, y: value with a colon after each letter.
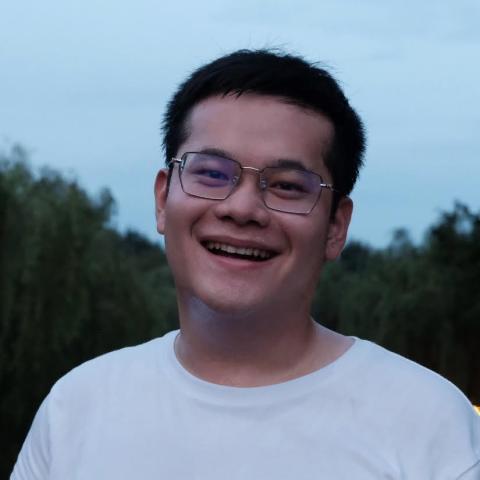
x: 83, y: 86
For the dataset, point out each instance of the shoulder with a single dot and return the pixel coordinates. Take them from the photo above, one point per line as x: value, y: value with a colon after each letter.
x: 120, y: 370
x: 86, y: 400
x: 402, y: 378
x: 383, y: 382
x: 426, y: 415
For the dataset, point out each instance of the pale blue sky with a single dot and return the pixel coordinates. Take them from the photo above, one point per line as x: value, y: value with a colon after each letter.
x: 83, y: 86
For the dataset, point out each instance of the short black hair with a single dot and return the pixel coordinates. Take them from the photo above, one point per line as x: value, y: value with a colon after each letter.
x: 270, y: 72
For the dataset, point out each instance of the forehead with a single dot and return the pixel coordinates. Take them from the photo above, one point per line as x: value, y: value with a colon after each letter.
x: 259, y: 129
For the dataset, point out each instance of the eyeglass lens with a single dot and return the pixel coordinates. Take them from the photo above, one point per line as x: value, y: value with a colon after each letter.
x: 285, y: 189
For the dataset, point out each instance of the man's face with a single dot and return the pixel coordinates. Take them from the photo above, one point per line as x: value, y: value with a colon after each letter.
x: 257, y: 131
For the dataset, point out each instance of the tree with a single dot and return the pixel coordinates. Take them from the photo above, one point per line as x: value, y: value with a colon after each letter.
x: 419, y: 301
x: 71, y: 288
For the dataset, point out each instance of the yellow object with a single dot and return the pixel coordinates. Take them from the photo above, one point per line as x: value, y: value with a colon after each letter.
x: 477, y: 408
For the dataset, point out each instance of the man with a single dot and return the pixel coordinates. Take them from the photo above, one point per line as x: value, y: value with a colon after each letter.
x: 262, y: 151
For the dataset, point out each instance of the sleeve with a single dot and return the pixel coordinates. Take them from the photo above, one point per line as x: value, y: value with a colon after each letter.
x: 464, y: 449
x: 34, y: 458
x: 439, y: 433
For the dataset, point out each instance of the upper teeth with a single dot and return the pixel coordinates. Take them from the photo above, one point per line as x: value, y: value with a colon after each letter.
x: 256, y: 252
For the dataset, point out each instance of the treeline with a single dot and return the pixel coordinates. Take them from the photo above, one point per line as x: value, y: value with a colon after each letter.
x: 72, y: 287
x: 422, y: 302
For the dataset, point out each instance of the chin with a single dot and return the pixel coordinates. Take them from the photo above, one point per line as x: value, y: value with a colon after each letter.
x: 229, y: 302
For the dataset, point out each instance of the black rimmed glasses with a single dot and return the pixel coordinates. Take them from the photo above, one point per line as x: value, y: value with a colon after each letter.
x: 284, y: 188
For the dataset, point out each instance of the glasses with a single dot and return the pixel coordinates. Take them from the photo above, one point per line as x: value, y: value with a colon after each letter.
x: 284, y: 189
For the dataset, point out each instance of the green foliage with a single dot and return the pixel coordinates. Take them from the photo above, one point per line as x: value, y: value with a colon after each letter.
x: 71, y: 288
x: 420, y: 301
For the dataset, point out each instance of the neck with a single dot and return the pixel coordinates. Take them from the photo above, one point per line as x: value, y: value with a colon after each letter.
x: 253, y: 348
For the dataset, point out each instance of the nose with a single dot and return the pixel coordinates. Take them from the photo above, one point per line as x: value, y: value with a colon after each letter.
x: 245, y: 204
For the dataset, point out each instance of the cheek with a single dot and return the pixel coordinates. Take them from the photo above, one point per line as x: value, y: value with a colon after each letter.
x: 308, y: 236
x: 311, y: 246
x: 182, y: 216
x: 177, y: 252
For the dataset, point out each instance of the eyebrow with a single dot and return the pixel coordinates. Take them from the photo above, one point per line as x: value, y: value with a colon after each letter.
x: 281, y: 162
x: 216, y: 151
x: 289, y: 163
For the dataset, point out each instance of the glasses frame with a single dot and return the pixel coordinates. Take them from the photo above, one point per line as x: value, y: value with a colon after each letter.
x: 181, y: 161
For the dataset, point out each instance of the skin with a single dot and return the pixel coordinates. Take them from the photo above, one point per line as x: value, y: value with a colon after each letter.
x: 247, y: 323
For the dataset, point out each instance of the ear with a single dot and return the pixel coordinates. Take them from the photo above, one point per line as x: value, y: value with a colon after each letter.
x: 161, y: 191
x: 338, y: 228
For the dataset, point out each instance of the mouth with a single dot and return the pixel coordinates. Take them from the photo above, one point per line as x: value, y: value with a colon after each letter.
x: 244, y: 253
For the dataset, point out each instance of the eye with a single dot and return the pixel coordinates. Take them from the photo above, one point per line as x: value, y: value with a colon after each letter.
x: 287, y: 186
x: 208, y: 170
x: 212, y: 174
x: 289, y: 183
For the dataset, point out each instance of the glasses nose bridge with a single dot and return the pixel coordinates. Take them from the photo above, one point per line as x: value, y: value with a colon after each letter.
x: 253, y: 170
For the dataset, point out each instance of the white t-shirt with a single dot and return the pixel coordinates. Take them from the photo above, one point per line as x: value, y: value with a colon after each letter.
x: 138, y: 414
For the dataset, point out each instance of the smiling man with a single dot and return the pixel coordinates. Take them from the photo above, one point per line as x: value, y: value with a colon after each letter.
x: 262, y: 150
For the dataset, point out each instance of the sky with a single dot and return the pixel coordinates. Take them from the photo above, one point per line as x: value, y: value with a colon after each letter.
x: 83, y: 87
